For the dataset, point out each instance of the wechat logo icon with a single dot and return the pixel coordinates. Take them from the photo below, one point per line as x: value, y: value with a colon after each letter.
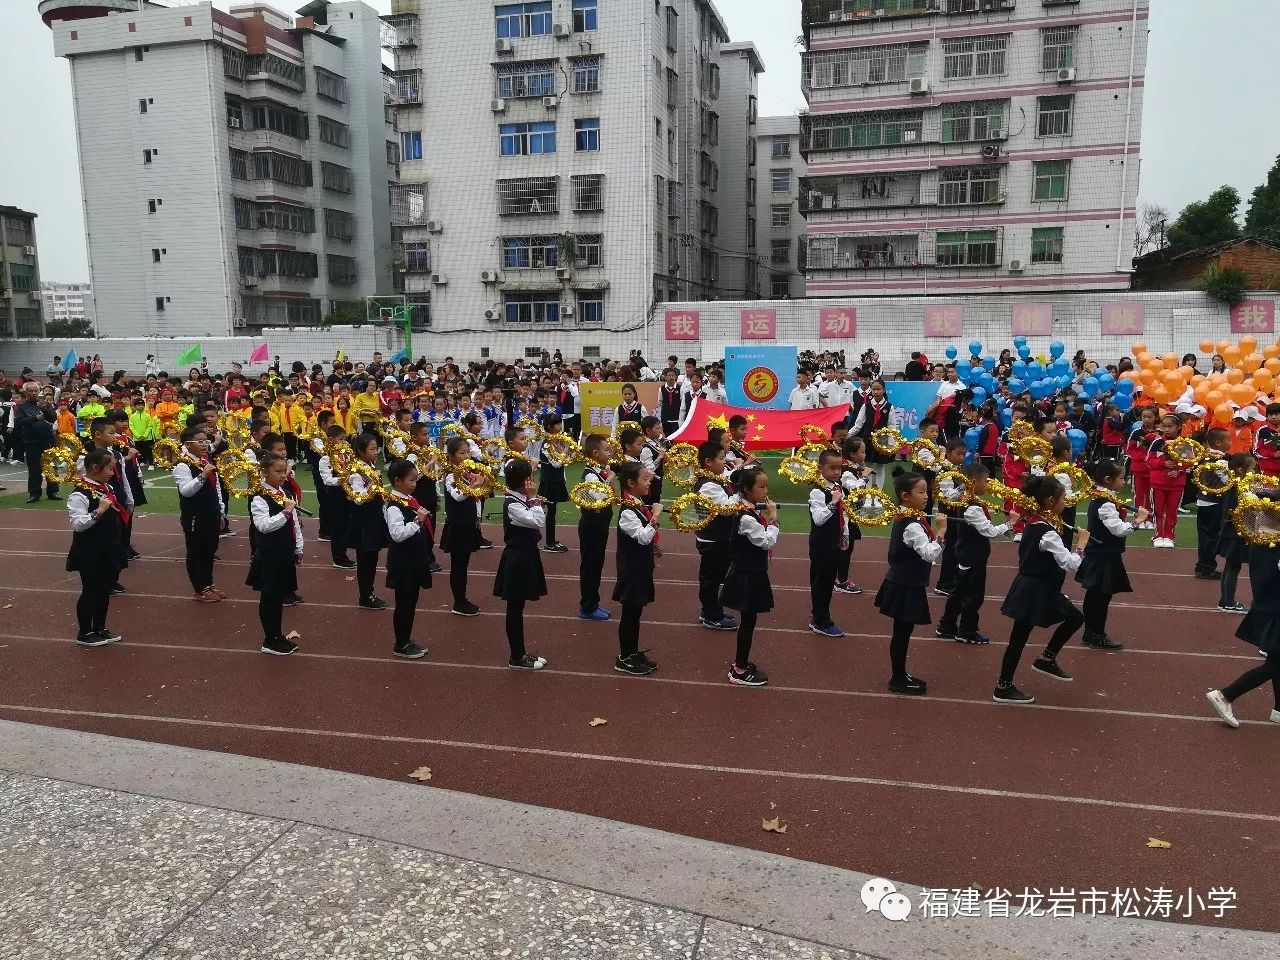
x: 881, y: 895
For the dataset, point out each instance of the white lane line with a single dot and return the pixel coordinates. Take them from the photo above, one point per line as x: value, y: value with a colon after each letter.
x: 770, y: 690
x: 662, y: 764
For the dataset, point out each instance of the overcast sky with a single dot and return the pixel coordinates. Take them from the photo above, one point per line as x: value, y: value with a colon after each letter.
x: 1209, y: 116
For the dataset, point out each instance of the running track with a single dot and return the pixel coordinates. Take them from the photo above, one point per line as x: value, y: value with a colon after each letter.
x: 949, y: 790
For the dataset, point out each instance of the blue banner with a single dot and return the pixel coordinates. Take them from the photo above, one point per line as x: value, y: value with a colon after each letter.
x: 760, y: 377
x: 911, y: 400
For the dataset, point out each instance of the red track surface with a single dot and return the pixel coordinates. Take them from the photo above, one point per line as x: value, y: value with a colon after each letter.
x: 948, y: 790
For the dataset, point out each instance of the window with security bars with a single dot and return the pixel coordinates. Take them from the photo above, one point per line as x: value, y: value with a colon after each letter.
x: 780, y: 181
x: 233, y: 63
x: 1053, y: 116
x: 780, y: 251
x: 1050, y: 180
x: 979, y: 120
x: 781, y: 148
x: 408, y: 204
x: 243, y: 213
x: 535, y: 306
x: 892, y: 63
x: 1057, y: 48
x: 673, y: 254
x: 780, y: 215
x: 530, y: 253
x: 341, y: 269
x: 523, y: 196
x: 284, y: 263
x: 277, y: 70
x: 958, y: 186
x: 659, y: 245
x: 1046, y: 245
x: 406, y: 86
x: 536, y: 78
x: 673, y: 88
x: 960, y: 248
x: 338, y: 224
x: 585, y: 74
x: 330, y: 85
x: 335, y: 177
x: 779, y: 287
x: 588, y: 250
x: 659, y: 194
x: 283, y: 169
x: 417, y: 257
x: 239, y: 165
x: 286, y: 217
x: 876, y: 128
x: 590, y: 309
x: 588, y: 192
x: 334, y: 133
x: 974, y: 56
x: 280, y: 119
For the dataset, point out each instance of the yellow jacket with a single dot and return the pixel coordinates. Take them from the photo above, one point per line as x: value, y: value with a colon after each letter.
x: 366, y: 406
x: 287, y: 417
x: 306, y: 425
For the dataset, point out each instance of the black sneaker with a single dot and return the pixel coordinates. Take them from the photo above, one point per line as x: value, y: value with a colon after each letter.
x: 636, y: 665
x: 941, y: 591
x: 345, y: 564
x: 279, y: 647
x: 1049, y: 667
x: 946, y: 633
x: 1008, y: 693
x: 644, y: 655
x: 724, y: 623
x: 912, y: 686
x: 1100, y: 641
x: 109, y: 635
x: 411, y: 651
x: 52, y: 496
x: 976, y: 639
x: 435, y: 567
x: 469, y: 609
x: 324, y: 539
x: 1208, y: 574
x: 485, y: 545
x: 91, y: 639
x: 556, y: 547
x: 292, y: 600
x: 33, y: 499
x: 527, y: 662
x: 117, y: 590
x: 750, y: 677
x: 373, y: 603
x: 133, y: 555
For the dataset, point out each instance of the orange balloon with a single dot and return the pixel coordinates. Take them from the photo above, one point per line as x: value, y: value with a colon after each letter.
x: 1235, y: 375
x: 1202, y: 391
x: 1232, y: 355
x: 1138, y: 348
x: 1243, y: 393
x: 1147, y: 377
x: 1206, y: 346
x: 1144, y: 359
x: 1215, y: 398
x: 1273, y: 364
x: 1264, y: 380
x: 1251, y: 362
x: 1222, y: 346
x: 1217, y: 378
x: 1248, y: 343
x: 1188, y: 373
x: 1159, y: 394
x: 1271, y: 352
x: 1223, y: 413
x: 1170, y: 360
x: 1130, y: 375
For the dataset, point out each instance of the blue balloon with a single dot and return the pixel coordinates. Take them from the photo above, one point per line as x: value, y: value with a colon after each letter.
x: 1024, y: 352
x: 988, y: 363
x: 1125, y: 387
x: 972, y: 437
x: 1019, y: 368
x: 1006, y: 417
x: 1063, y: 382
x: 1057, y: 349
x: 1123, y: 402
x: 1089, y: 386
x: 952, y: 353
x: 964, y: 372
x: 1078, y: 440
x: 1059, y: 368
x: 1106, y: 381
x: 1019, y: 342
x: 1016, y: 386
x: 975, y: 347
x: 1035, y: 371
x: 979, y: 396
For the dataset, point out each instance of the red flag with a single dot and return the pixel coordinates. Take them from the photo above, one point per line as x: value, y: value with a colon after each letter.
x: 260, y: 354
x: 766, y: 429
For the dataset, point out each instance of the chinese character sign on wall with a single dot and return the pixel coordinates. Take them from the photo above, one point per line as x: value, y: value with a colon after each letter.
x: 759, y: 324
x: 837, y: 323
x: 1123, y: 319
x: 944, y: 321
x: 1032, y: 319
x: 1254, y: 316
x: 683, y: 325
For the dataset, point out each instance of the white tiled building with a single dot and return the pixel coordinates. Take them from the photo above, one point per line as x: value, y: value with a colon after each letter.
x: 780, y: 227
x: 959, y: 146
x: 566, y: 163
x: 67, y: 301
x: 234, y: 167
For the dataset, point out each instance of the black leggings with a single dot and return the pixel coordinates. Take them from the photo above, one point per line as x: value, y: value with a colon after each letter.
x: 458, y: 563
x: 1096, y: 605
x: 402, y: 616
x: 515, y: 628
x: 1227, y: 588
x: 1021, y: 633
x: 366, y: 570
x: 746, y: 633
x: 898, y: 643
x: 271, y: 614
x: 95, y: 598
x: 629, y: 629
x: 1256, y: 677
x: 550, y: 509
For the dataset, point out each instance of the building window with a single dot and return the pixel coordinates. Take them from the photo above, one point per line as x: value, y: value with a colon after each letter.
x: 285, y: 169
x: 286, y: 217
x: 233, y: 63
x: 235, y: 113
x: 586, y: 134
x: 160, y: 304
x: 781, y: 148
x: 151, y: 205
x: 780, y: 181
x: 333, y: 177
x: 779, y: 287
x: 519, y: 80
x: 659, y: 194
x: 146, y: 156
x: 893, y: 63
x: 590, y: 309
x: 877, y: 128
x: 588, y: 250
x: 517, y: 20
x: 1053, y: 116
x: 142, y: 106
x: 1057, y: 48
x: 417, y: 257
x: 239, y: 165
x: 1046, y: 245
x: 974, y: 57
x: 521, y: 139
x: 334, y: 133
x: 780, y: 251
x: 673, y: 88
x: 751, y: 191
x: 539, y: 306
x: 407, y: 85
x: 341, y: 269
x: 338, y: 224
x: 588, y: 192
x: 408, y: 203
x: 673, y: 28
x: 530, y: 253
x: 584, y: 15
x: 586, y: 75
x: 964, y: 185
x: 411, y: 145
x: 330, y: 85
x: 751, y: 232
x: 980, y: 120
x: 528, y: 195
x: 23, y: 277
x: 1051, y: 180
x: 267, y: 116
x: 967, y: 248
x: 780, y: 215
x: 244, y: 214
x: 277, y: 70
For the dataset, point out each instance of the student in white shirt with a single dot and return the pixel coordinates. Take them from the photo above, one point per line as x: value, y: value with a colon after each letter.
x: 804, y: 395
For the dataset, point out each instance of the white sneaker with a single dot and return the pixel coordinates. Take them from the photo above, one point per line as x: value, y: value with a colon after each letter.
x: 1017, y: 538
x: 1275, y: 716
x: 1223, y: 708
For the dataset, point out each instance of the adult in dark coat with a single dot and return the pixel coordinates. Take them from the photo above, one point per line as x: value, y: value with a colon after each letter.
x: 33, y: 425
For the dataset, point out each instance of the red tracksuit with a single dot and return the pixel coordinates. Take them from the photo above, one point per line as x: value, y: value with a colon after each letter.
x: 1266, y: 450
x: 1136, y: 448
x: 1014, y: 472
x: 1167, y: 483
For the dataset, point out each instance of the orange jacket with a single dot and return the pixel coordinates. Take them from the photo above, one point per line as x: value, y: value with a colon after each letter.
x: 1241, y: 438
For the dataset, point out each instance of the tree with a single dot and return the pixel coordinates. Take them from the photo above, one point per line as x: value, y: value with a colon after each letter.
x: 1263, y: 218
x: 1152, y: 222
x: 1207, y: 222
x: 72, y: 328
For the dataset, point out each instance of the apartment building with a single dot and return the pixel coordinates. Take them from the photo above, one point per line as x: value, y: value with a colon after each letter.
x: 962, y: 146
x: 234, y: 166
x: 20, y: 314
x: 67, y: 301
x: 564, y: 160
x: 780, y: 227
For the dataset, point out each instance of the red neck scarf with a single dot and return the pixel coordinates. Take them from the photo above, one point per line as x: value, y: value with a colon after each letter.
x: 644, y: 512
x: 109, y: 495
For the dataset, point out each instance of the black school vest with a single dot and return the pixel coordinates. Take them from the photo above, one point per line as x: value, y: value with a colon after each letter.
x: 412, y: 554
x: 596, y: 520
x: 278, y: 545
x: 720, y: 529
x: 634, y: 558
x: 514, y: 536
x: 669, y: 402
x: 99, y: 547
x: 826, y: 536
x: 203, y: 503
x: 743, y: 554
x: 906, y: 567
x: 1034, y: 562
x: 461, y: 512
x: 1102, y: 540
x: 972, y: 548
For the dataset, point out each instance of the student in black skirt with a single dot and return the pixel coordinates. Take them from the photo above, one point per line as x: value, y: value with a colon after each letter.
x: 97, y: 546
x: 914, y: 547
x: 1261, y: 630
x: 1102, y: 572
x: 1036, y: 599
x: 746, y: 584
x: 520, y: 577
x: 551, y: 486
x: 425, y: 491
x: 408, y: 553
x: 461, y: 535
x: 637, y: 537
x: 366, y: 530
x: 277, y: 553
x: 593, y: 532
x: 201, y: 510
x: 1233, y: 550
x: 974, y: 533
x: 339, y: 506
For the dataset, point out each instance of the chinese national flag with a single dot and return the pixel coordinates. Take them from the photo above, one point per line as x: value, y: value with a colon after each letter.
x: 766, y: 429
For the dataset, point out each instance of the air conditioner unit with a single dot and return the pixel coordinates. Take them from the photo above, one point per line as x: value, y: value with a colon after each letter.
x: 435, y: 226
x: 990, y: 151
x: 551, y: 102
x: 563, y: 273
x: 490, y: 315
x: 503, y: 47
x: 235, y: 123
x: 1015, y: 266
x: 439, y: 279
x: 561, y: 31
x: 6, y: 294
x: 239, y: 323
x: 488, y: 276
x: 919, y: 85
x: 497, y: 105
x: 29, y: 251
x: 1067, y: 75
x: 566, y: 311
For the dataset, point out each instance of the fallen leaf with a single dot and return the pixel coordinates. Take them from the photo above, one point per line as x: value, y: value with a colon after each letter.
x: 422, y: 773
x: 8, y: 606
x: 1158, y: 844
x: 598, y: 722
x: 293, y: 635
x: 772, y: 826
